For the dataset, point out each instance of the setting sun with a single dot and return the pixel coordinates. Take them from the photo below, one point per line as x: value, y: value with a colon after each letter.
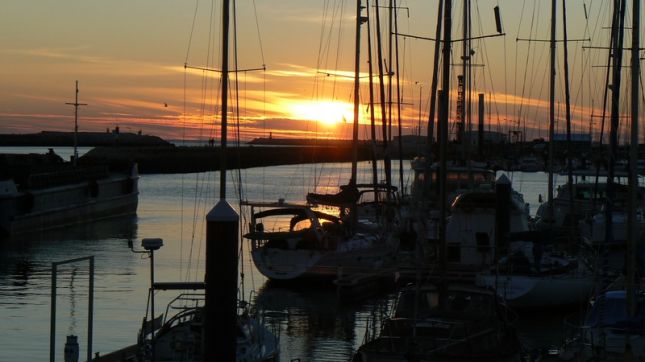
x: 326, y: 112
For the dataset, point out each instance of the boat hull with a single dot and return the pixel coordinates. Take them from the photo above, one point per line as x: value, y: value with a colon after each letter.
x: 283, y: 264
x: 59, y: 206
x: 540, y: 291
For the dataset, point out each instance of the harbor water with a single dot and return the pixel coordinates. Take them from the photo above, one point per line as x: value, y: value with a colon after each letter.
x: 311, y: 323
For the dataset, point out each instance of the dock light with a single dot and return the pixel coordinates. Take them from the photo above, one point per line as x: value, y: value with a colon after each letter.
x: 151, y: 244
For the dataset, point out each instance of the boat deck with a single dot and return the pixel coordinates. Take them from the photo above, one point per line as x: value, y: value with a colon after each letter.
x: 127, y: 354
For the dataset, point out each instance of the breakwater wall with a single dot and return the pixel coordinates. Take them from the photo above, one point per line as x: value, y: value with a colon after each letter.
x: 199, y: 159
x: 52, y: 139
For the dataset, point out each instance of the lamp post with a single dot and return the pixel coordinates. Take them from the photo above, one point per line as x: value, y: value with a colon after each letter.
x: 150, y: 245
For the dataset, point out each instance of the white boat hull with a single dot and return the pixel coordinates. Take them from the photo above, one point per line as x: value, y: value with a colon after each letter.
x: 283, y: 264
x: 540, y: 291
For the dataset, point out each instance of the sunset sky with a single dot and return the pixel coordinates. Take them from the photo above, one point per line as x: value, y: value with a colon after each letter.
x: 129, y: 57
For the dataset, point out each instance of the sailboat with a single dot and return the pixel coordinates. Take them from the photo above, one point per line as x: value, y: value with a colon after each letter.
x: 470, y: 229
x: 535, y: 272
x: 180, y: 336
x: 298, y: 241
x: 588, y: 198
x: 461, y: 175
x: 454, y: 323
x: 613, y: 328
x: 216, y: 324
x: 444, y: 320
x: 42, y: 192
x: 608, y: 331
x: 524, y: 267
x: 593, y: 228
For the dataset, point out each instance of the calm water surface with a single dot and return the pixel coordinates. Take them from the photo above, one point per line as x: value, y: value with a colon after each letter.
x: 311, y: 323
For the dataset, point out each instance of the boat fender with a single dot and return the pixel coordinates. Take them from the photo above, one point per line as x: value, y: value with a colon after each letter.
x: 27, y: 202
x: 128, y: 186
x: 94, y: 188
x: 8, y: 188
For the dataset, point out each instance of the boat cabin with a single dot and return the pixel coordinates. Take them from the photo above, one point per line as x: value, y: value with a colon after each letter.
x: 459, y: 178
x: 294, y: 227
x: 470, y: 231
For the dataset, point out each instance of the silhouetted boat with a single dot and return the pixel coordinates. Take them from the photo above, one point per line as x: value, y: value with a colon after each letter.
x: 179, y: 337
x: 445, y: 323
x: 607, y: 332
x: 303, y: 243
x: 40, y: 192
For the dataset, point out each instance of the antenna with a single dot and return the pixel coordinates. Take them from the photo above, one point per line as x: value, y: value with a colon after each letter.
x: 76, y: 105
x: 498, y: 20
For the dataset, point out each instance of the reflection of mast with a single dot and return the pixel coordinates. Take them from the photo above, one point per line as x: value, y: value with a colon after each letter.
x: 76, y: 105
x: 72, y: 303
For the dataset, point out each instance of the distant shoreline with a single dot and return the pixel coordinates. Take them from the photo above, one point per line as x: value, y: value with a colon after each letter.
x: 84, y: 139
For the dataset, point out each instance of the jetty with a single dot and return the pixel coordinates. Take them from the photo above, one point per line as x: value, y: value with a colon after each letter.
x: 110, y: 138
x: 171, y: 159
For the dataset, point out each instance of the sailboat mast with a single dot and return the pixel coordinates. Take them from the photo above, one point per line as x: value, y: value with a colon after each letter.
x: 443, y: 130
x: 390, y: 71
x: 357, y: 84
x: 633, y: 158
x: 464, y: 74
x: 224, y: 108
x: 386, y: 153
x: 398, y: 97
x: 76, y: 105
x: 222, y: 240
x: 435, y: 77
x: 372, y: 112
x: 551, y: 112
x: 567, y: 93
x: 433, y: 96
x: 618, y: 34
x: 604, y: 107
x: 467, y: 91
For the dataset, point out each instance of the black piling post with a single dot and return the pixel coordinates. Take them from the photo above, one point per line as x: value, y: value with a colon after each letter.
x: 502, y: 214
x: 480, y: 126
x: 220, y: 325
